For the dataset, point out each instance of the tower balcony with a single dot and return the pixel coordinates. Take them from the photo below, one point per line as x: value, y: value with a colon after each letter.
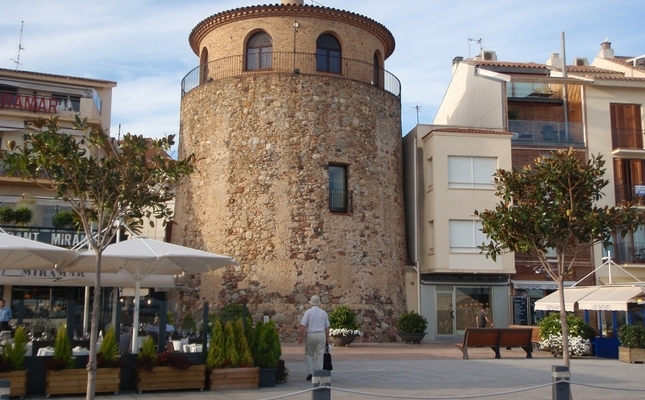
x: 291, y: 63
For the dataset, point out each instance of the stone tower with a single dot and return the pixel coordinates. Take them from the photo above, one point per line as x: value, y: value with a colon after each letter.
x: 297, y: 129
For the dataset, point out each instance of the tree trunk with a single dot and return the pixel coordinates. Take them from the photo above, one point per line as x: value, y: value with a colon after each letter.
x: 96, y: 308
x: 563, y: 322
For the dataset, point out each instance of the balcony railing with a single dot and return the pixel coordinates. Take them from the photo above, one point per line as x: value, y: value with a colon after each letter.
x: 626, y: 252
x: 46, y: 104
x: 549, y: 133
x: 627, y: 139
x: 291, y: 63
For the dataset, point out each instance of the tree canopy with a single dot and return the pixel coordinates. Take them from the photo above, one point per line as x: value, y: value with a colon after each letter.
x: 553, y: 205
x: 105, y: 181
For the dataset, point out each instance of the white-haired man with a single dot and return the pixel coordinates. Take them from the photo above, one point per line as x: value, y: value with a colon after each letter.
x: 314, y: 328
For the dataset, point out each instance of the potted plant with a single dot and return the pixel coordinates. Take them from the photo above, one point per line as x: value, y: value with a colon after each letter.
x: 269, y: 351
x: 580, y: 334
x: 412, y: 327
x: 108, y: 362
x: 343, y: 328
x: 12, y: 363
x: 632, y: 343
x: 7, y: 215
x: 63, y: 219
x: 229, y: 361
x: 166, y: 371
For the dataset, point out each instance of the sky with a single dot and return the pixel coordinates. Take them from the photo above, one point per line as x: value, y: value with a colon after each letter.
x: 142, y: 45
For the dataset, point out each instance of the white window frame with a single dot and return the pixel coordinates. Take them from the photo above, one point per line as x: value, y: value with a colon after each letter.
x: 471, y: 172
x: 465, y: 235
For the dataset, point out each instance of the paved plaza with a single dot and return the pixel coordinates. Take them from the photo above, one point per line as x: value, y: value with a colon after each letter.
x: 434, y: 370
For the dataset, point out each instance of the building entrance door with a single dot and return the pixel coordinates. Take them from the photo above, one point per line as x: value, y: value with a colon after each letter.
x: 445, y: 313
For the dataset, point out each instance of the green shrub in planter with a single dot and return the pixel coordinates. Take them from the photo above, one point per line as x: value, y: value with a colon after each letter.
x: 215, y: 358
x: 7, y: 215
x: 550, y: 326
x: 342, y: 321
x: 411, y: 322
x: 269, y: 348
x: 632, y: 336
x: 23, y: 215
x: 63, y: 219
x: 14, y: 353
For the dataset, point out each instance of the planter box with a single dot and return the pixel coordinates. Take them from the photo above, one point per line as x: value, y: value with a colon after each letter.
x: 631, y: 355
x: 234, y: 378
x: 169, y: 378
x: 18, y: 380
x: 74, y: 381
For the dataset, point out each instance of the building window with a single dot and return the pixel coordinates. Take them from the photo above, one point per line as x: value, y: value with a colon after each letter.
x: 471, y: 172
x: 328, y: 54
x: 338, y: 188
x: 259, y: 52
x: 629, y: 179
x: 626, y: 129
x: 465, y: 236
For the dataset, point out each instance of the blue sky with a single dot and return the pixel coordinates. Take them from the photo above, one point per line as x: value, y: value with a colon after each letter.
x: 143, y: 44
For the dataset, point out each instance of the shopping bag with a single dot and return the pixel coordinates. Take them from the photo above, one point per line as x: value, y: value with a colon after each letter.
x: 327, y: 359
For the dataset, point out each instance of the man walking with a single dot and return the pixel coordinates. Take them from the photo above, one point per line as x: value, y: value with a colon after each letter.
x: 482, y: 318
x: 5, y: 316
x: 314, y: 327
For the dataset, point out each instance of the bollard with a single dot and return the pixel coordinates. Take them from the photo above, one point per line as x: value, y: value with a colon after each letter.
x: 5, y: 389
x: 321, y: 378
x: 560, y: 374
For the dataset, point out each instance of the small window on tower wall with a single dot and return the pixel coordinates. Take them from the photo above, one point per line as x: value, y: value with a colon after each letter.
x: 338, y: 188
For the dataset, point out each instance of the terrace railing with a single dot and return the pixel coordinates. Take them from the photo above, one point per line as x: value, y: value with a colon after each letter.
x: 291, y: 63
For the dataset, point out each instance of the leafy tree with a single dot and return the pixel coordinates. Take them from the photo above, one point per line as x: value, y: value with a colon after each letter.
x: 104, y: 182
x: 553, y: 205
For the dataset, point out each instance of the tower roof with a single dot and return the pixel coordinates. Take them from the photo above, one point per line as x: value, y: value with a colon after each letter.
x: 290, y: 10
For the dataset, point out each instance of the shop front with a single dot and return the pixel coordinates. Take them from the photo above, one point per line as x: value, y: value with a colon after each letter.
x: 451, y: 302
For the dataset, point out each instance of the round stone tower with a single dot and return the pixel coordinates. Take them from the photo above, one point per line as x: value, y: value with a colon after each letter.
x: 297, y: 130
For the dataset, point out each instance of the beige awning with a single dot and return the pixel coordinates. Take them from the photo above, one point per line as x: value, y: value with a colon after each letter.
x: 571, y: 297
x: 611, y: 298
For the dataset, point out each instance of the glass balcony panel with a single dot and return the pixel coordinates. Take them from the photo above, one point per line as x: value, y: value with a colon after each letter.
x: 626, y: 252
x: 542, y: 133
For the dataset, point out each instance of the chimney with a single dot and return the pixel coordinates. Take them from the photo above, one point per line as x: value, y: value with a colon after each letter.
x: 294, y: 2
x: 555, y: 61
x: 605, y: 50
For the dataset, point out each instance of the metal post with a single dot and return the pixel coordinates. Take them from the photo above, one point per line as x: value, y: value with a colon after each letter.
x: 5, y: 389
x: 205, y: 329
x: 321, y: 379
x: 561, y: 390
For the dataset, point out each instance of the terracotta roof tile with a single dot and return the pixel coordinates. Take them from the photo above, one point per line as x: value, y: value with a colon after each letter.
x: 15, y: 72
x: 473, y: 131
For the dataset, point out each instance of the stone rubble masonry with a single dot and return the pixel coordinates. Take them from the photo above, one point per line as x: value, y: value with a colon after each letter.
x: 263, y: 142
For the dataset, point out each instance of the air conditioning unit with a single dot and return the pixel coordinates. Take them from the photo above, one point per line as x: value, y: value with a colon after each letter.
x: 580, y: 62
x: 488, y: 55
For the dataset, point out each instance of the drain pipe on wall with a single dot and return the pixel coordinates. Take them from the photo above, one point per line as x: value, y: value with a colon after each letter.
x: 416, y: 220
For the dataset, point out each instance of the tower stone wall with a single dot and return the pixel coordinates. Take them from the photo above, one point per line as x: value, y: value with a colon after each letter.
x: 264, y: 142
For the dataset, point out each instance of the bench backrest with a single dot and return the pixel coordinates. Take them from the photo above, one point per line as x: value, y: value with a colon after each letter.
x: 515, y: 337
x: 481, y: 337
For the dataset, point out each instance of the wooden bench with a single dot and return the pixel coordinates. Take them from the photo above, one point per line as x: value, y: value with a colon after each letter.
x: 495, y: 338
x: 535, y: 337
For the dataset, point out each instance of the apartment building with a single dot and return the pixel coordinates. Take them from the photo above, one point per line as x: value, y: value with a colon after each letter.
x: 534, y: 108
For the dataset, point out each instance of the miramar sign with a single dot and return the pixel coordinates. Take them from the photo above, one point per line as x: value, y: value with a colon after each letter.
x: 23, y: 102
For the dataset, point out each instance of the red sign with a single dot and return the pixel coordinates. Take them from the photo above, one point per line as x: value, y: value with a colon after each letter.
x: 14, y: 101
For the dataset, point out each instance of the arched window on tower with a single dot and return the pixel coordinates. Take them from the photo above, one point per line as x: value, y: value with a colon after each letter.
x: 328, y: 54
x: 259, y: 51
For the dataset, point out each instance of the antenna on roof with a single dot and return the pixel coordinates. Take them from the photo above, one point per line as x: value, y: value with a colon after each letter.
x: 417, y: 107
x: 20, y: 48
x: 479, y: 42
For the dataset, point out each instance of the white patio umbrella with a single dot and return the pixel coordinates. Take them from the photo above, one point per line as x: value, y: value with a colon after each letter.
x: 19, y: 253
x: 139, y: 258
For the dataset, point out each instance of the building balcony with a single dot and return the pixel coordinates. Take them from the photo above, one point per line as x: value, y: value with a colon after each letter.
x: 629, y: 192
x: 33, y: 105
x: 626, y: 252
x: 546, y: 133
x: 291, y: 63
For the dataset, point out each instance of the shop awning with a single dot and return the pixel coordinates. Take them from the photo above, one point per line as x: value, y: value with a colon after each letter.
x: 611, y: 298
x: 571, y: 297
